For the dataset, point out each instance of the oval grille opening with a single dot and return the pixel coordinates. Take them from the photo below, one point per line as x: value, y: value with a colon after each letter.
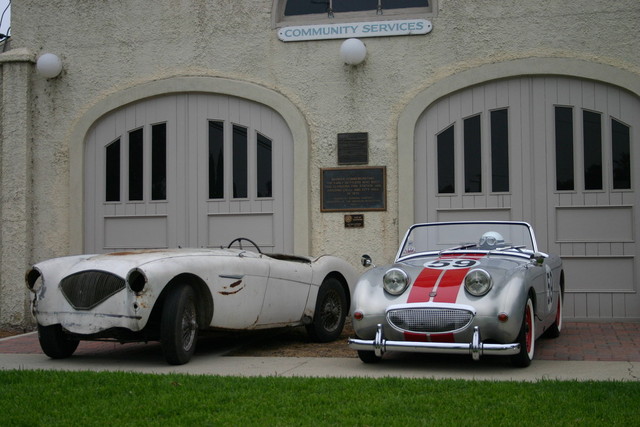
x: 87, y: 289
x: 429, y: 320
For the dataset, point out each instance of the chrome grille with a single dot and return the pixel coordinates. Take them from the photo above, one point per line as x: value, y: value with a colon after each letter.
x: 429, y: 320
x: 87, y: 289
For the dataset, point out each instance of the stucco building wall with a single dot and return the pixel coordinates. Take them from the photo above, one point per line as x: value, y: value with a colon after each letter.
x: 111, y: 48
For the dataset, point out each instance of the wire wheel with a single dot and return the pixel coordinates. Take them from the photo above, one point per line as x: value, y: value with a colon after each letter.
x: 330, y: 313
x: 179, y: 326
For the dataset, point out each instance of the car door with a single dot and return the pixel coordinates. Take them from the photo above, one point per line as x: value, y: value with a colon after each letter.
x: 238, y: 288
x: 287, y: 292
x: 541, y: 277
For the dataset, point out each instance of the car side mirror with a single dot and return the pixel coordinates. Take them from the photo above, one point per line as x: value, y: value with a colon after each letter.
x: 366, y: 261
x: 538, y: 258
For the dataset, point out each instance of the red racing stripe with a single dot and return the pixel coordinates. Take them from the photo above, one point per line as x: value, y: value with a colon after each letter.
x: 438, y: 285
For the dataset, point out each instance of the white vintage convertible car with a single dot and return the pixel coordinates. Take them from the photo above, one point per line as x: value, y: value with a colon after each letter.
x: 169, y: 295
x: 476, y: 287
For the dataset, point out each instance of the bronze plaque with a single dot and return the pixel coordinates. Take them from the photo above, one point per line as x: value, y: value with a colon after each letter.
x: 354, y: 221
x: 353, y: 148
x: 354, y: 189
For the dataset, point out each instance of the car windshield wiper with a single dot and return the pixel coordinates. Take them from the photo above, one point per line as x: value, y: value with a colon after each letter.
x: 460, y: 247
x: 511, y: 248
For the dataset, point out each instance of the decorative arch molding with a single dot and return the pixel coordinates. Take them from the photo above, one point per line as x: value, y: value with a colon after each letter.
x: 214, y: 85
x: 480, y: 75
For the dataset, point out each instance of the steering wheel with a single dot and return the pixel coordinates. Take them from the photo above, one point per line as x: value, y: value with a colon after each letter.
x: 240, y: 239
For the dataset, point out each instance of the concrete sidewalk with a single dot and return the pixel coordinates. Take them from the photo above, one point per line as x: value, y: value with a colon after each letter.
x: 147, y: 358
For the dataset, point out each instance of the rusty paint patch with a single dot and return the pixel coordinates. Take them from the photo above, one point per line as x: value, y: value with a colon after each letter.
x: 147, y: 251
x: 233, y: 285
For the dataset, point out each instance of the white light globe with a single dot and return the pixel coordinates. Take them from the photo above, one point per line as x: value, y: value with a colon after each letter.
x: 49, y: 65
x: 353, y: 51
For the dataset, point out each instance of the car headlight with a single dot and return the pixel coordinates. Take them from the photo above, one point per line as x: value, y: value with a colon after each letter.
x: 478, y: 282
x: 137, y: 280
x: 33, y: 279
x: 395, y: 281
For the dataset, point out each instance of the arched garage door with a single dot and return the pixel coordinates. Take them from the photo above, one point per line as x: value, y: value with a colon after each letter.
x: 189, y: 170
x: 557, y: 152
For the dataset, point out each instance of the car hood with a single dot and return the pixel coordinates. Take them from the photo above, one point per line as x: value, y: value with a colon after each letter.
x: 120, y: 263
x: 439, y: 279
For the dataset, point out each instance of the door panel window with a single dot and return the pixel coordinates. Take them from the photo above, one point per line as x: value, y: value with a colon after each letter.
x: 472, y: 155
x: 137, y: 181
x: 242, y: 163
x: 112, y: 168
x: 446, y: 161
x: 136, y: 165
x: 264, y: 162
x: 500, y: 150
x: 240, y: 167
x: 564, y: 148
x: 474, y: 161
x: 593, y: 167
x: 592, y: 131
x: 159, y: 162
x: 216, y: 160
x: 621, y: 155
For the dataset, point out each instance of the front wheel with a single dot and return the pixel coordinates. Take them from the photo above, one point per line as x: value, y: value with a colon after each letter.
x: 55, y: 343
x: 179, y: 326
x: 330, y: 313
x: 526, y: 338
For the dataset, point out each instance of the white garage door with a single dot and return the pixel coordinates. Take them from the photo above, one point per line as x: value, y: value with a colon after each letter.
x: 189, y: 170
x: 556, y: 152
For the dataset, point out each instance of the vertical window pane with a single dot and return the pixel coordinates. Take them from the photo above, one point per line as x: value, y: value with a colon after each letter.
x: 239, y: 162
x: 264, y: 165
x: 621, y: 155
x: 446, y: 168
x: 135, y: 165
x: 592, y: 129
x: 216, y: 160
x: 500, y: 150
x: 159, y: 162
x: 564, y: 148
x: 112, y: 178
x: 472, y: 156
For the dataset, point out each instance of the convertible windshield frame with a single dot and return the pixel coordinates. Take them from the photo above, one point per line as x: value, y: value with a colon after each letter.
x: 498, y: 237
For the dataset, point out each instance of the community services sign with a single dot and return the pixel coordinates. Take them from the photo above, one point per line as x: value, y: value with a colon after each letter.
x: 357, y: 29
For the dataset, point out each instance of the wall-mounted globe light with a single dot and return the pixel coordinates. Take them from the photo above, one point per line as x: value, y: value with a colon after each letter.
x: 353, y: 51
x: 49, y: 65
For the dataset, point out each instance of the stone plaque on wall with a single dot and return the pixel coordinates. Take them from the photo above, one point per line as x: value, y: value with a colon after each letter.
x: 354, y: 189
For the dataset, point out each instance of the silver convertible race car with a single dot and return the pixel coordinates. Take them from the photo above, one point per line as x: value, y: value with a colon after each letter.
x: 171, y: 294
x: 477, y: 288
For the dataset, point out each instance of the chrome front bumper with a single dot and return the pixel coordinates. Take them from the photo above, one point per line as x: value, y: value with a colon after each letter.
x: 475, y: 348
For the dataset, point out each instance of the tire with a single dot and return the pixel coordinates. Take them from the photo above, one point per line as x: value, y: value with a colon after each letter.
x: 55, y: 343
x: 368, y: 356
x: 179, y: 326
x: 526, y: 338
x: 555, y: 329
x: 330, y: 312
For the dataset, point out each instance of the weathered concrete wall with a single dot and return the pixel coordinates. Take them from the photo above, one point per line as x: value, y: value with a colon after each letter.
x: 15, y: 183
x: 108, y: 47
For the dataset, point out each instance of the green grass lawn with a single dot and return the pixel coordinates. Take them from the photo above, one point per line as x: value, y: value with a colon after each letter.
x: 53, y: 398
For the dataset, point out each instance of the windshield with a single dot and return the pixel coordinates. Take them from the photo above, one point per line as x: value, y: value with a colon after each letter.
x: 483, y: 236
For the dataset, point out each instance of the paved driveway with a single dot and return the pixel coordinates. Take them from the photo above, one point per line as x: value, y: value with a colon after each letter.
x: 584, y: 351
